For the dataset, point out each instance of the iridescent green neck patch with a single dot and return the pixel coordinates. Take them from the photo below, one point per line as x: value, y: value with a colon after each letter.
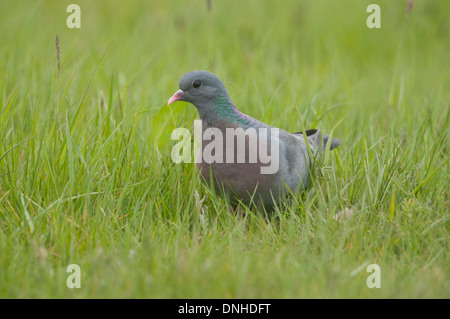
x: 226, y: 110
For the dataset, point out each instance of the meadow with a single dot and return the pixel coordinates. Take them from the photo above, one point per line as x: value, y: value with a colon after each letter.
x: 86, y: 175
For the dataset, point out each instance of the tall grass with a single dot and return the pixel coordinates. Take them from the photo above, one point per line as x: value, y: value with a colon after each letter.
x: 86, y: 175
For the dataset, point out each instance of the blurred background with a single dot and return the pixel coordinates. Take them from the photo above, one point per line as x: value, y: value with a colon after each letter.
x: 319, y: 55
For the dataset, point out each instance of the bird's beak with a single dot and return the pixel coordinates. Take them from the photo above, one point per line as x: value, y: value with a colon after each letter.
x: 178, y: 94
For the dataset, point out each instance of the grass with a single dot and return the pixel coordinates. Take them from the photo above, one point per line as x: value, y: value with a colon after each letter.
x: 85, y: 170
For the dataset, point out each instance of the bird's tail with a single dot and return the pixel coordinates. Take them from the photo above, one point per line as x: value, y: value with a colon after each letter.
x: 320, y: 141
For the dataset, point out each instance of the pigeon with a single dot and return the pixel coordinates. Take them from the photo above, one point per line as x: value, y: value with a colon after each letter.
x: 240, y: 166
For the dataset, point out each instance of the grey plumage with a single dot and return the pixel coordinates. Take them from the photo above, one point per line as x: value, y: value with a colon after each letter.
x: 244, y: 181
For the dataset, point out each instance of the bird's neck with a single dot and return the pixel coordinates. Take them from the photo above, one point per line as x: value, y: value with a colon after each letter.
x: 223, y: 112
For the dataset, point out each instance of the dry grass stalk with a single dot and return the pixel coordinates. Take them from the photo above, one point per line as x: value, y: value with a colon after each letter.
x: 58, y: 55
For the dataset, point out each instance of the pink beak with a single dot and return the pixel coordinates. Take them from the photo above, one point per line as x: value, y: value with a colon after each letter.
x: 178, y: 94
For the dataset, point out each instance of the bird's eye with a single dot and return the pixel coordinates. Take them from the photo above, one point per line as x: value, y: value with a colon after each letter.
x: 197, y: 84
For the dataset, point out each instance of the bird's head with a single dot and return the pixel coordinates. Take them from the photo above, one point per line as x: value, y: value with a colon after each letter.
x: 199, y: 88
